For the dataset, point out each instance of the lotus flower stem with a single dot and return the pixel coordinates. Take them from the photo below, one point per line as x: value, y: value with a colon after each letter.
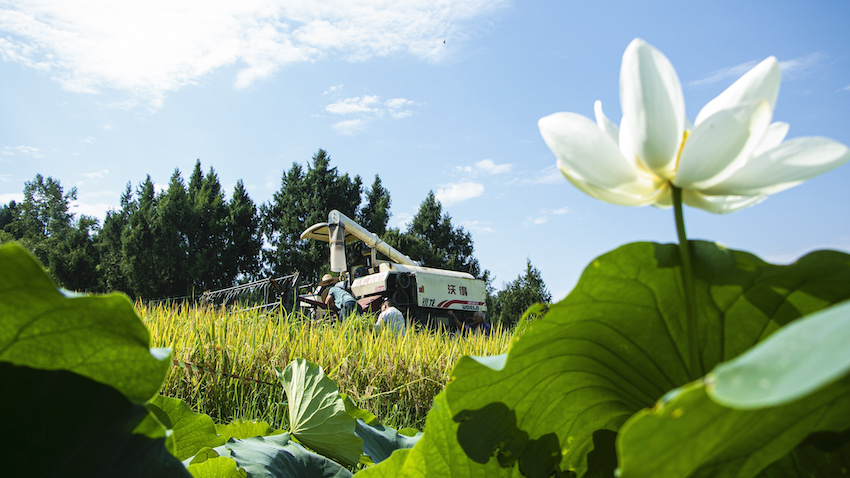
x: 695, y: 367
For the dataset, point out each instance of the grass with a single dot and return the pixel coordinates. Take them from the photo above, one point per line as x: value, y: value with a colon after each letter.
x: 394, y: 377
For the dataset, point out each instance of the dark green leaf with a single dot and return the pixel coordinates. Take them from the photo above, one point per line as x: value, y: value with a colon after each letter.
x: 437, y: 453
x: 278, y: 456
x: 58, y: 423
x: 379, y: 441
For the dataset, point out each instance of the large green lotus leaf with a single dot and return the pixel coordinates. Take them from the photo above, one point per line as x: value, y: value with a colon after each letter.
x: 798, y: 359
x: 58, y: 423
x: 437, y: 453
x: 317, y: 415
x: 619, y: 342
x: 688, y: 434
x: 380, y: 441
x: 811, y: 461
x: 278, y: 456
x: 100, y: 337
x: 191, y: 431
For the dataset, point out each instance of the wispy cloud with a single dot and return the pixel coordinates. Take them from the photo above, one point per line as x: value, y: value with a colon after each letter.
x: 791, y: 69
x: 28, y: 151
x: 350, y: 127
x: 99, y: 174
x: 544, y: 215
x: 480, y: 227
x: 367, y: 109
x: 486, y: 166
x: 458, y: 192
x: 803, y: 66
x: 549, y: 175
x: 151, y: 48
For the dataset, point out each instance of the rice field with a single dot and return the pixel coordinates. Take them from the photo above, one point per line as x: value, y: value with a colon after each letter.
x: 394, y: 377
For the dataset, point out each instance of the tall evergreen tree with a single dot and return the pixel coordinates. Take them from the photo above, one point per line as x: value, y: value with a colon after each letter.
x: 140, y: 264
x: 109, y: 244
x: 170, y: 238
x: 376, y: 213
x: 244, y: 242
x: 432, y: 239
x: 206, y: 253
x: 303, y: 200
x: 520, y: 294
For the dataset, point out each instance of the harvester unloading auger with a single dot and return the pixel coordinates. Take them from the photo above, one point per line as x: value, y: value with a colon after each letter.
x: 424, y: 294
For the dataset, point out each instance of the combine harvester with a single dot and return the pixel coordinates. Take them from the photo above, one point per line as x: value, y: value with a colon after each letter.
x: 423, y: 294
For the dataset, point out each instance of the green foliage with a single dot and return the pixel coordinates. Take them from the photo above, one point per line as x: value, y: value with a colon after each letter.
x: 433, y: 240
x: 98, y: 337
x: 191, y: 431
x: 317, y: 415
x: 616, y: 345
x: 375, y: 215
x: 518, y: 295
x: 83, y: 365
x: 44, y: 224
x: 305, y: 199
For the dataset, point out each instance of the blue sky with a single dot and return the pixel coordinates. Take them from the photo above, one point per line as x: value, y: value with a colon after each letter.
x: 442, y: 96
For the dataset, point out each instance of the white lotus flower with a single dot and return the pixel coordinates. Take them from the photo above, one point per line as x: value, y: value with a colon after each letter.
x: 730, y: 158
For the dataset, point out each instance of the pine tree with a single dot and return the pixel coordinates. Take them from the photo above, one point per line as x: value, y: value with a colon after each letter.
x: 520, y: 294
x: 140, y: 265
x: 376, y: 213
x: 303, y: 200
x: 433, y: 240
x: 170, y: 238
x: 244, y: 242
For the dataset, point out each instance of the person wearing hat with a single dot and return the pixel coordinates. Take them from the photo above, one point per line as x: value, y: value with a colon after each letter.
x: 338, y: 299
x: 390, y: 317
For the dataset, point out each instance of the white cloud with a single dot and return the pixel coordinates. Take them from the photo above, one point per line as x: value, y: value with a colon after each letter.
x: 29, y: 151
x: 350, y: 127
x: 544, y: 215
x: 478, y: 226
x: 151, y: 48
x: 459, y: 192
x: 803, y: 65
x: 9, y: 197
x: 367, y: 109
x: 358, y: 104
x: 99, y: 174
x: 401, y: 220
x: 487, y: 166
x: 549, y: 175
x: 791, y: 69
x: 332, y: 89
x: 730, y: 72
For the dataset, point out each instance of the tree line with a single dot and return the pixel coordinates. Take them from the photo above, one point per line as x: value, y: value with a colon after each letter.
x: 190, y: 237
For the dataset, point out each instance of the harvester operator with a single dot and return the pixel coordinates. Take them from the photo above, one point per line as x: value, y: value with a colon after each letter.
x: 338, y: 299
